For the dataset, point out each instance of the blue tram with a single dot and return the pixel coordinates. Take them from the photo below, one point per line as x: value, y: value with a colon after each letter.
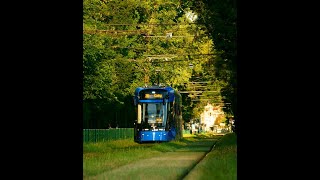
x: 159, y: 115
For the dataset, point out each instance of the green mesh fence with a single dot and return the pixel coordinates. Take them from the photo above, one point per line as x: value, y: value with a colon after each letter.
x: 97, y: 135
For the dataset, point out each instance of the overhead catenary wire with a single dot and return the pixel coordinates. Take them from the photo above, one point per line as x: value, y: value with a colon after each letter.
x: 202, y: 82
x: 174, y: 36
x: 136, y: 32
x: 207, y: 100
x: 149, y: 24
x: 195, y: 91
x: 153, y: 61
x: 168, y: 55
x: 153, y: 57
x: 129, y: 30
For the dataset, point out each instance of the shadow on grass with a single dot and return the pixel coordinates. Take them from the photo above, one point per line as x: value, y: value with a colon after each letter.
x: 198, y: 143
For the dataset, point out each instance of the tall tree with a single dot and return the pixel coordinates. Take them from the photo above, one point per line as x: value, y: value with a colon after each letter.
x: 220, y: 19
x: 127, y: 44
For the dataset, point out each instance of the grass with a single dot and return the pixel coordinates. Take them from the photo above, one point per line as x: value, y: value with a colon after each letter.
x: 104, y: 156
x: 220, y: 163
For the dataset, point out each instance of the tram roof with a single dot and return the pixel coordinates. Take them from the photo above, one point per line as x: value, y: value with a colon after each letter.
x: 166, y: 88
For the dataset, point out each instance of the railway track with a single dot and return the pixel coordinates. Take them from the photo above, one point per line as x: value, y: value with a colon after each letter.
x: 169, y: 166
x: 212, y: 147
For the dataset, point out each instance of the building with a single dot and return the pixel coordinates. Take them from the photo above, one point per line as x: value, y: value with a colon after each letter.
x: 209, y: 116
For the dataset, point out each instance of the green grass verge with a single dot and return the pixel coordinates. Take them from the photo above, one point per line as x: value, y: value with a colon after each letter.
x: 220, y: 163
x: 104, y: 156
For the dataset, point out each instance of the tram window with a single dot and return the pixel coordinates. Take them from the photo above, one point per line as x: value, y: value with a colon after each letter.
x: 153, y: 113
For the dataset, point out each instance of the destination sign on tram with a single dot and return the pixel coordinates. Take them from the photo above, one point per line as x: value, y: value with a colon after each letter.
x: 153, y: 96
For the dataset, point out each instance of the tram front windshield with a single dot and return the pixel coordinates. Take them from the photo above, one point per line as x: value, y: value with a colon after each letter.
x: 154, y: 116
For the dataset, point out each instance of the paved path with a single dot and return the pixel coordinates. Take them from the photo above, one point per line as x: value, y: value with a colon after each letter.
x: 168, y: 166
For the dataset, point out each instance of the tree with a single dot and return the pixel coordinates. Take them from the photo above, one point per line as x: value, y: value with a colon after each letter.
x: 220, y: 19
x: 127, y: 44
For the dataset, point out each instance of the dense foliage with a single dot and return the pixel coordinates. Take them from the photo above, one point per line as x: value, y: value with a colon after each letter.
x: 220, y: 19
x: 127, y: 44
